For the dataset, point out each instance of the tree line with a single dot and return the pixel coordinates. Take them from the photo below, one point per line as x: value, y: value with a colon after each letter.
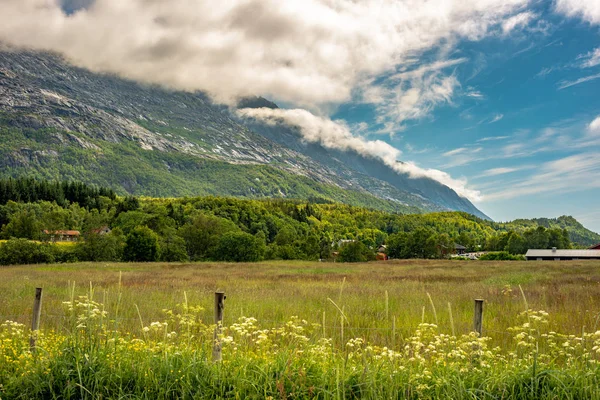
x: 233, y: 229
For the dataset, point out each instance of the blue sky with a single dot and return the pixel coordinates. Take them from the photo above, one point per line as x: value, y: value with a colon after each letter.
x: 514, y: 128
x: 497, y: 99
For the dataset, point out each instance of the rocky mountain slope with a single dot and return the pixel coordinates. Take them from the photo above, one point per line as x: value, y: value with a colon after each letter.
x: 59, y: 121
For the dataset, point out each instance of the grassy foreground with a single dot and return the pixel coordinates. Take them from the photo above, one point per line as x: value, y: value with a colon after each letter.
x: 303, y: 330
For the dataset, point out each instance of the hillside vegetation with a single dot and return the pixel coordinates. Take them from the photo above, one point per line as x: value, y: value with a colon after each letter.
x: 221, y: 228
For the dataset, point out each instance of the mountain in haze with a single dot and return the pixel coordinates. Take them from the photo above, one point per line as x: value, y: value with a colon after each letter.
x: 62, y: 122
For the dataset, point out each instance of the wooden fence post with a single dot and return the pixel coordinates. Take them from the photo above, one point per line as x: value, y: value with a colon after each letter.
x: 478, y: 316
x: 35, y: 320
x: 219, y: 306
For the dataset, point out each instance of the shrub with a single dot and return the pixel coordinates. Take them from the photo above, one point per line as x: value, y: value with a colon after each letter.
x: 23, y: 251
x: 502, y: 256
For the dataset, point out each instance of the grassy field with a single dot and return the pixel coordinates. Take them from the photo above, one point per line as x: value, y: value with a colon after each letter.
x: 348, y: 306
x: 274, y: 291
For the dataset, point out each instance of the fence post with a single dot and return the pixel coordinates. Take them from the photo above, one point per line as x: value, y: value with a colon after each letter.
x: 478, y: 316
x: 35, y: 320
x: 219, y: 306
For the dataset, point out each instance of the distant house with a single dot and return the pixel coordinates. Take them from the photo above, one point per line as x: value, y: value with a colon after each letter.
x: 62, y: 236
x: 342, y: 242
x: 459, y: 249
x: 558, y: 255
x: 595, y: 247
x: 382, y: 249
x: 105, y: 230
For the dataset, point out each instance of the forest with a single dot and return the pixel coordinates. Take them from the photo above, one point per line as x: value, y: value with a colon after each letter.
x: 232, y: 229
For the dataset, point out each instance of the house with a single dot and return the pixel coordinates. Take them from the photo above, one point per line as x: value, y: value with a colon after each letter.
x: 62, y: 236
x: 558, y: 255
x: 105, y: 230
x: 459, y: 249
x: 342, y: 242
x: 595, y: 247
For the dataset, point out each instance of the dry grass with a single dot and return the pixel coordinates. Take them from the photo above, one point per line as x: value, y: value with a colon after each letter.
x: 274, y: 291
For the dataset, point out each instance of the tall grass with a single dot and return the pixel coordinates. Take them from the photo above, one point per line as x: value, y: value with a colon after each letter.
x: 303, y: 330
x: 171, y: 358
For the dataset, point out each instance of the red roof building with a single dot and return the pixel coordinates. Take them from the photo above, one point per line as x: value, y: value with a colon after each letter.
x: 595, y: 247
x: 62, y: 236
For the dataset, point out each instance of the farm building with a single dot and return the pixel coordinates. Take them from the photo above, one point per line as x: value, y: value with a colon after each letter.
x: 595, y: 247
x: 557, y: 255
x: 105, y: 230
x: 459, y: 249
x: 62, y: 236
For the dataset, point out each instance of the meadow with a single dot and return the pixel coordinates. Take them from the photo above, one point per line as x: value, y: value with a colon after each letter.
x: 297, y: 329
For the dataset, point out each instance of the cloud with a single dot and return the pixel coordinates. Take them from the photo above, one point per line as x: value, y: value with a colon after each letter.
x: 520, y: 20
x: 566, y: 84
x: 496, y: 118
x: 594, y: 127
x: 413, y: 94
x: 475, y: 94
x: 569, y: 174
x: 590, y: 59
x: 492, y: 138
x: 337, y: 135
x: 455, y: 152
x: 588, y: 10
x: 309, y: 53
x: 497, y: 171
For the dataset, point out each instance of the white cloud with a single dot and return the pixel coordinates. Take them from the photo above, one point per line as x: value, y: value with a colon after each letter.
x: 520, y: 20
x: 413, y: 94
x: 455, y: 152
x: 569, y: 174
x: 566, y: 84
x: 306, y: 52
x: 588, y: 10
x: 498, y: 171
x: 594, y: 127
x: 492, y: 138
x: 496, y: 118
x: 336, y: 135
x: 590, y: 59
x: 475, y: 94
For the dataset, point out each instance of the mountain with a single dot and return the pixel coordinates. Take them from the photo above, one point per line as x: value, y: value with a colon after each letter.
x: 577, y: 232
x: 62, y: 122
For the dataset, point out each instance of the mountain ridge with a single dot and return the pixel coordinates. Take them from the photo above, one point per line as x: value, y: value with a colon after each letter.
x: 52, y: 112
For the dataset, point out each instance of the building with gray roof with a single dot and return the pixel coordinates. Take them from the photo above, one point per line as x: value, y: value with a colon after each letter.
x: 556, y: 254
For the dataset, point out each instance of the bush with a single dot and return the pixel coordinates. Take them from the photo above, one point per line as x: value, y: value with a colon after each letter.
x: 23, y: 251
x: 502, y: 256
x: 142, y: 245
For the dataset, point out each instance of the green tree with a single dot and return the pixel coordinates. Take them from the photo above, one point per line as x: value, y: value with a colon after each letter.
x: 97, y: 247
x: 516, y: 244
x: 537, y: 238
x: 142, y: 244
x: 240, y: 247
x: 172, y: 246
x: 202, y: 235
x: 398, y: 245
x: 355, y: 252
x: 23, y: 224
